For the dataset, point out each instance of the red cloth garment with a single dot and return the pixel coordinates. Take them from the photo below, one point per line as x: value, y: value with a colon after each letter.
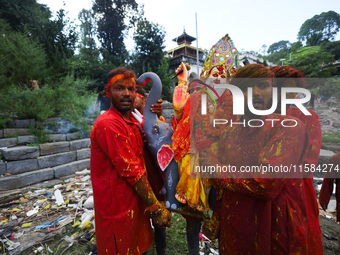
x: 122, y: 225
x: 258, y: 215
x: 327, y: 186
x: 312, y: 124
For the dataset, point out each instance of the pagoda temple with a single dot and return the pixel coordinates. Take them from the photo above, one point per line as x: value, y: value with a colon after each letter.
x: 186, y: 53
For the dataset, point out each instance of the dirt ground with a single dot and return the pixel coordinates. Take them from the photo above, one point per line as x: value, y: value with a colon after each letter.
x: 330, y: 235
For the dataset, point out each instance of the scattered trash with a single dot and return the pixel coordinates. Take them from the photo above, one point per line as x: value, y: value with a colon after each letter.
x: 89, y: 203
x: 26, y: 225
x: 59, y: 197
x: 85, y: 171
x: 39, y: 215
x: 31, y: 212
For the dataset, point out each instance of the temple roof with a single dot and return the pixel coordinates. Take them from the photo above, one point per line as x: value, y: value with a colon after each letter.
x: 184, y: 45
x: 184, y: 38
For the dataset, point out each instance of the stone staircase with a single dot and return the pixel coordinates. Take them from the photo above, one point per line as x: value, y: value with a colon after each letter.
x: 25, y: 165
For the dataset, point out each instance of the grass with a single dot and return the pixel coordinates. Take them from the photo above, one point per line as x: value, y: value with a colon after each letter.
x: 301, y: 52
x: 331, y: 137
x: 176, y: 239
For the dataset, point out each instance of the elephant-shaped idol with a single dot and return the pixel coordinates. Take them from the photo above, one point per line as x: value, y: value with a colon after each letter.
x: 158, y: 140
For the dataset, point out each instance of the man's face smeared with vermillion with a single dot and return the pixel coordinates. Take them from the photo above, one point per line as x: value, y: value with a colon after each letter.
x: 122, y: 94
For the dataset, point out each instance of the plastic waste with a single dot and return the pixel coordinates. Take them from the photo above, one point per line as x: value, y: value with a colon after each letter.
x: 59, y: 197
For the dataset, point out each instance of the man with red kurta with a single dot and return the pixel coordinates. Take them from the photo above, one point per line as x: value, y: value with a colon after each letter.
x: 123, y: 198
x: 294, y: 78
x: 259, y: 213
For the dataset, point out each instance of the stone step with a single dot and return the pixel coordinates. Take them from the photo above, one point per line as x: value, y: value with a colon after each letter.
x: 25, y: 179
x: 57, y: 137
x: 24, y: 159
x: 20, y: 153
x: 83, y: 153
x: 8, y: 142
x: 26, y: 123
x: 73, y: 136
x: 16, y: 131
x: 53, y: 148
x: 56, y: 159
x: 80, y: 144
x: 22, y: 166
x: 70, y: 168
x: 3, y: 168
x: 26, y: 139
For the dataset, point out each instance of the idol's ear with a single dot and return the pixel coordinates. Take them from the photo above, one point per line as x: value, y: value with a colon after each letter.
x: 164, y: 156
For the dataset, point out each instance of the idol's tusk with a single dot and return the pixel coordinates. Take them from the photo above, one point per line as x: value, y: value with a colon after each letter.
x: 139, y: 119
x: 139, y: 114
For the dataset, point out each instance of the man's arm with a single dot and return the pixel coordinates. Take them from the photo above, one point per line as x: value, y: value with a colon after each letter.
x: 144, y: 191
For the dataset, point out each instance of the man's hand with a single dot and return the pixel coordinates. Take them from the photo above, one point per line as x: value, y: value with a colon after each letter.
x: 157, y: 108
x: 163, y: 220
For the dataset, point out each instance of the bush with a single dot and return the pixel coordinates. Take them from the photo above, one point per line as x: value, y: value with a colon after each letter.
x: 67, y: 99
x: 21, y: 58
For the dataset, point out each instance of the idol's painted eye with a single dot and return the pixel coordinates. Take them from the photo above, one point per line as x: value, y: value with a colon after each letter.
x: 155, y: 129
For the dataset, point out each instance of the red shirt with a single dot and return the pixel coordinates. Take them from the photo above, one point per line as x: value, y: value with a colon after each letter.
x: 122, y: 225
x: 312, y: 124
x: 263, y: 216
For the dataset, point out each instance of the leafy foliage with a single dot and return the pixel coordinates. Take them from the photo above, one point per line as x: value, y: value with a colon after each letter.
x: 111, y: 26
x: 315, y: 65
x: 21, y: 58
x: 324, y: 26
x: 278, y: 46
x: 87, y: 46
x: 59, y: 39
x: 332, y: 47
x: 149, y: 39
x: 331, y: 87
x: 66, y: 99
x: 25, y: 15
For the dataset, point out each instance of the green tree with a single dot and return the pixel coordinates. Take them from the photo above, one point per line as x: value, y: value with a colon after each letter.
x: 165, y: 75
x: 21, y: 58
x: 88, y: 28
x: 331, y: 24
x: 314, y: 39
x: 315, y: 65
x: 296, y: 46
x: 149, y: 39
x: 25, y: 15
x: 332, y: 47
x: 59, y: 39
x: 112, y: 27
x: 309, y: 27
x: 327, y: 24
x: 278, y: 46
